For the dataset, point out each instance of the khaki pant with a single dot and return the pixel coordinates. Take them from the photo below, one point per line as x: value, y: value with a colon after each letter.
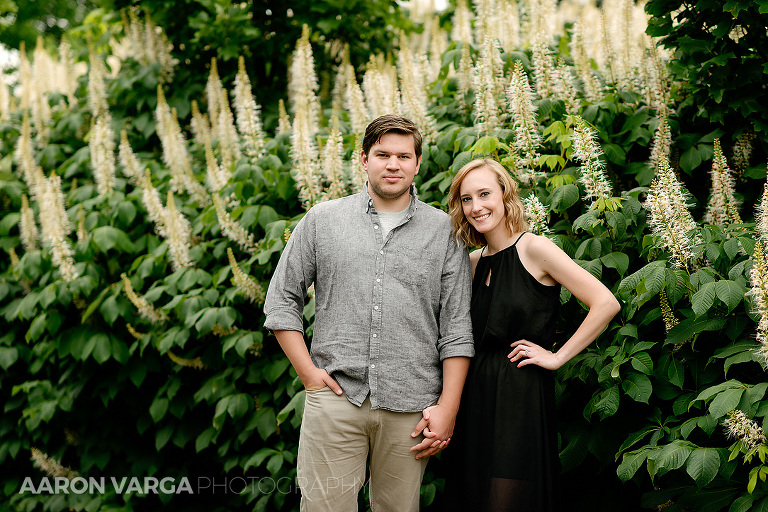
x: 336, y: 440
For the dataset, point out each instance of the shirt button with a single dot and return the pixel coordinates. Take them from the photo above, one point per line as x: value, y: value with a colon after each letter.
x: 375, y: 226
x: 374, y: 335
x: 381, y: 252
x: 378, y: 280
x: 373, y: 367
x: 376, y: 308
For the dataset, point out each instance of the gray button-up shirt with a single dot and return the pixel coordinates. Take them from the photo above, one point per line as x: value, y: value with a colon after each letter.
x: 387, y: 312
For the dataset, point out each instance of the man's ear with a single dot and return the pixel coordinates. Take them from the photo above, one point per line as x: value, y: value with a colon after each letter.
x: 418, y: 165
x: 364, y: 160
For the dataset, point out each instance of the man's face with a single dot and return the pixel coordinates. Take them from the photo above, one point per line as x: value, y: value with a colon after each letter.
x: 391, y: 165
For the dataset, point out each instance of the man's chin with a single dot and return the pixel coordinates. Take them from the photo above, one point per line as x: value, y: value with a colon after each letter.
x: 391, y: 192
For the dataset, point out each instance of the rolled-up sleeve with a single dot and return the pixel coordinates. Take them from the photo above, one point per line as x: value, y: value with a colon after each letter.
x: 294, y: 274
x: 455, y: 293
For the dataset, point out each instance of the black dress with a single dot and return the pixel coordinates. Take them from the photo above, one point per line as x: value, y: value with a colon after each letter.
x: 503, y: 455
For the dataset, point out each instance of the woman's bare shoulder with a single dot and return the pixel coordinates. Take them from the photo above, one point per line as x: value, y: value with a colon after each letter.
x: 540, y: 246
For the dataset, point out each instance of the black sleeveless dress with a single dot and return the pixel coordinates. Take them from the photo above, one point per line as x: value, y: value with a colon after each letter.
x: 504, y: 455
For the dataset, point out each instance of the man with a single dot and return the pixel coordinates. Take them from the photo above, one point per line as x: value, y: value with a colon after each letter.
x: 392, y: 334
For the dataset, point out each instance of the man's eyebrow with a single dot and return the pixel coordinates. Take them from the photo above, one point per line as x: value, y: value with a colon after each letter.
x: 379, y: 151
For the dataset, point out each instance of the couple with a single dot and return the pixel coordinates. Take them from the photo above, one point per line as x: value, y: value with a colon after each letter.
x: 393, y: 337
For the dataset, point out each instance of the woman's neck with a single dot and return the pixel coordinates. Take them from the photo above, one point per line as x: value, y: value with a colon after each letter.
x: 499, y: 241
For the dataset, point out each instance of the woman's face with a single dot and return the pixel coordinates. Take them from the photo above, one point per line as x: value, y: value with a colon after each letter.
x: 482, y: 201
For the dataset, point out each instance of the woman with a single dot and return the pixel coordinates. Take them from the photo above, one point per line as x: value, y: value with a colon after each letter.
x: 504, y: 455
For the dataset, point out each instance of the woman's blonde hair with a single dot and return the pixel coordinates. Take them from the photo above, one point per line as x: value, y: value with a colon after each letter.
x: 514, y: 212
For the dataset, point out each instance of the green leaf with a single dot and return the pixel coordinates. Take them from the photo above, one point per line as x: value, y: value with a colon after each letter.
x: 102, y: 348
x: 615, y: 153
x: 731, y: 247
x: 257, y: 458
x: 756, y: 392
x: 703, y: 465
x: 642, y: 345
x: 638, y: 387
x: 676, y: 373
x: 296, y: 404
x: 163, y: 436
x: 655, y: 280
x: 36, y: 329
x: 266, y: 423
x: 608, y: 403
x: 226, y: 316
x: 428, y: 494
x: 712, y: 391
x: 642, y: 362
x: 690, y: 159
x: 206, y: 320
x: 631, y: 463
x: 563, y: 197
x: 8, y: 356
x: 275, y: 463
x: 616, y: 260
x: 110, y: 310
x: 743, y: 503
x: 108, y: 237
x: 239, y: 404
x: 586, y: 221
x: 741, y: 357
x: 158, y: 408
x: 703, y: 299
x: 634, y: 439
x: 736, y: 348
x: 674, y: 455
x: 630, y: 331
x: 687, y: 427
x: 204, y: 439
x: 461, y: 160
x: 94, y: 305
x: 725, y: 402
x: 9, y: 220
x: 690, y: 326
x: 126, y: 212
x: 730, y: 292
x: 276, y: 369
x: 220, y: 414
x: 707, y: 423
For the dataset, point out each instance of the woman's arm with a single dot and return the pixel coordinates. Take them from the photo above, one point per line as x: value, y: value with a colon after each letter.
x: 544, y: 258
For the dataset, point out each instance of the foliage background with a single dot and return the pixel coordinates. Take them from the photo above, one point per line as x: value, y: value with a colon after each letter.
x: 209, y: 394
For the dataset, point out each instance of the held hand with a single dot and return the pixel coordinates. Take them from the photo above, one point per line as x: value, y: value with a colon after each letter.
x: 437, y: 427
x: 530, y: 353
x: 423, y: 425
x: 318, y: 378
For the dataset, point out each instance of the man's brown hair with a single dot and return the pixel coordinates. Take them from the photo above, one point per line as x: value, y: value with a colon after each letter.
x: 390, y: 123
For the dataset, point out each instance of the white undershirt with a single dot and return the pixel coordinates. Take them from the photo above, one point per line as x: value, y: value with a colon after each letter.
x: 389, y: 220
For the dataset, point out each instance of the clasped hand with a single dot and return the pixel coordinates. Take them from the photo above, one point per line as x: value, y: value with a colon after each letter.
x: 437, y: 427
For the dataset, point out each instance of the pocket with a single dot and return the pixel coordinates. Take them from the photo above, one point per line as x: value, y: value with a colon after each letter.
x: 315, y: 390
x: 411, y: 266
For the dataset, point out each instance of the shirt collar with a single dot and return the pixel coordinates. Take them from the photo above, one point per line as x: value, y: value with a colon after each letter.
x: 368, y: 202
